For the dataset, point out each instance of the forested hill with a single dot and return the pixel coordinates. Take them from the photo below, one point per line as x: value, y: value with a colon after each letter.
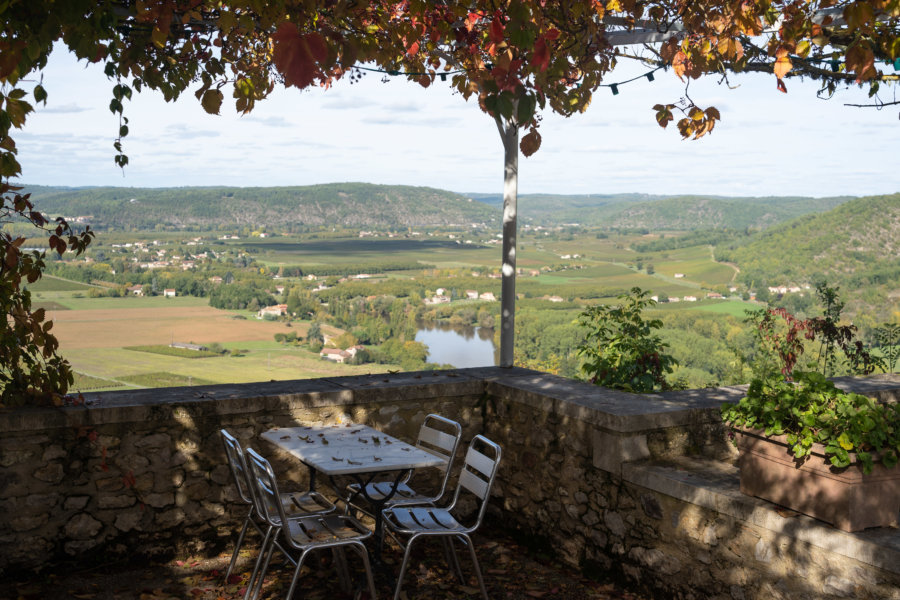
x: 856, y: 245
x: 347, y: 204
x: 684, y: 213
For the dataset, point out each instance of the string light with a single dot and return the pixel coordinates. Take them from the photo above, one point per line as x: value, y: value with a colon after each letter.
x: 614, y: 87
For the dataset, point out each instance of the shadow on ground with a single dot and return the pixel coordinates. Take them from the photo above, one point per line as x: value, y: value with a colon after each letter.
x: 510, y: 572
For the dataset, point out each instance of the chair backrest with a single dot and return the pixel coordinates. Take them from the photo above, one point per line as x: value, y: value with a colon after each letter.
x: 262, y: 479
x: 478, y: 472
x: 238, y: 465
x: 439, y: 435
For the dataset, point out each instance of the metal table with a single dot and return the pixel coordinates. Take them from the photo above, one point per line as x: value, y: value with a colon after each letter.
x: 355, y: 451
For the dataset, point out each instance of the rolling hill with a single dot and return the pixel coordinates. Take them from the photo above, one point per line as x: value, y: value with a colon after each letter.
x: 347, y: 204
x: 655, y: 213
x: 856, y: 245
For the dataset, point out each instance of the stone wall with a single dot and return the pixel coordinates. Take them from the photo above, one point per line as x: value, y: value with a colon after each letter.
x: 638, y: 486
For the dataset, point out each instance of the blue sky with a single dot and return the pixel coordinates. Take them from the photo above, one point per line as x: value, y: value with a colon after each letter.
x: 397, y: 132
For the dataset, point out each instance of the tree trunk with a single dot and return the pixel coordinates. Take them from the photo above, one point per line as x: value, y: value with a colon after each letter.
x: 509, y: 132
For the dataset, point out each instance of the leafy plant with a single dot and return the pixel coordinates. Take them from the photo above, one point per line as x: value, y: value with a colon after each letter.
x: 888, y: 336
x: 621, y: 350
x: 811, y: 410
x: 806, y: 407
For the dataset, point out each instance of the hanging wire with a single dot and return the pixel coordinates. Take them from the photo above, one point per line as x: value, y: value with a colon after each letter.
x: 443, y: 75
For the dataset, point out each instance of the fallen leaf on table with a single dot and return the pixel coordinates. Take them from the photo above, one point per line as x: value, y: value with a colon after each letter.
x: 285, y: 437
x: 353, y: 462
x: 337, y: 459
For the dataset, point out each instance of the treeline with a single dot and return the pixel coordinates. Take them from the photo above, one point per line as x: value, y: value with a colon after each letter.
x: 354, y: 269
x: 706, y: 237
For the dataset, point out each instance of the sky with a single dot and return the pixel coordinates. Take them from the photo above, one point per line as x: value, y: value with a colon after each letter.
x: 396, y: 132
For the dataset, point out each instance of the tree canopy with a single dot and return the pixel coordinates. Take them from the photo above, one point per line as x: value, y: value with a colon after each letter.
x: 516, y: 57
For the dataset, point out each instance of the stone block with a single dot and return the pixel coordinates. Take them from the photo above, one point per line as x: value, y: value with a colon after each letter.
x: 170, y: 518
x: 159, y: 500
x: 76, y: 502
x: 52, y: 473
x: 14, y: 456
x: 154, y: 440
x: 614, y: 523
x: 28, y: 522
x: 611, y: 450
x: 120, y: 501
x: 129, y: 519
x: 53, y: 452
x: 42, y: 501
x: 109, y: 484
x: 136, y: 463
x: 78, y: 547
x: 82, y: 527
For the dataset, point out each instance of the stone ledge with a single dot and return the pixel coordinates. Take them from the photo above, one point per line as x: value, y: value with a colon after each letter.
x: 716, y: 486
x: 164, y: 404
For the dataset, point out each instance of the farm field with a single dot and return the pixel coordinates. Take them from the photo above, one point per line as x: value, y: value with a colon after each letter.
x: 94, y: 341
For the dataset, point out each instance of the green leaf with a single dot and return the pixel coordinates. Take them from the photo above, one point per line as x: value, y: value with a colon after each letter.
x: 40, y: 94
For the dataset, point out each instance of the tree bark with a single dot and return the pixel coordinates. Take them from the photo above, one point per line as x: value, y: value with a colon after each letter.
x: 509, y: 132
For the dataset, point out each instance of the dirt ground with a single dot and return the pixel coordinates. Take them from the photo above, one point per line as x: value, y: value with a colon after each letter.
x: 510, y: 571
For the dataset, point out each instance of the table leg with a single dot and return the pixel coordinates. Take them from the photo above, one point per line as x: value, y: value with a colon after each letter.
x: 378, y: 505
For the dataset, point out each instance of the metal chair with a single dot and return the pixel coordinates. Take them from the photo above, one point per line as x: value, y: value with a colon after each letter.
x: 295, y: 504
x: 438, y: 435
x: 304, y: 534
x: 475, y: 478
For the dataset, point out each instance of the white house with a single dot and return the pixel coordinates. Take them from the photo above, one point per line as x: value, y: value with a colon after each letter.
x: 272, y: 311
x: 487, y: 296
x: 472, y: 294
x: 169, y: 292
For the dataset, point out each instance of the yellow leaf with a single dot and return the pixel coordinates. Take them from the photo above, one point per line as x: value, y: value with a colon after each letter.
x: 845, y: 442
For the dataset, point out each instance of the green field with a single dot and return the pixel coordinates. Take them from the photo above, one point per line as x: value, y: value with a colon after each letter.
x: 49, y: 283
x: 155, y: 380
x: 735, y: 308
x: 170, y: 351
x: 131, y: 302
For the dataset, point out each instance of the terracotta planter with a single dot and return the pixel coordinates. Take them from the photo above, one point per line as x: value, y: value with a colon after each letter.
x: 846, y: 498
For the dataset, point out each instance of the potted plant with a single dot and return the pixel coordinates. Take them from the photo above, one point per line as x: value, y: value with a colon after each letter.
x: 804, y: 443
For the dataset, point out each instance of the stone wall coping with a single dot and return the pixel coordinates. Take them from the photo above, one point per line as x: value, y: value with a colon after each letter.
x: 613, y: 410
x: 716, y: 485
x: 160, y: 404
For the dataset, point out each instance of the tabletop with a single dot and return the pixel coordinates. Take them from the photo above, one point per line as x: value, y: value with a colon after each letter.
x: 349, y: 449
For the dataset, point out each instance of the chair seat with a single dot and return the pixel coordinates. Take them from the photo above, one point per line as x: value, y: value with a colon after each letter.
x: 299, y: 504
x: 326, y: 530
x: 379, y: 490
x: 423, y: 520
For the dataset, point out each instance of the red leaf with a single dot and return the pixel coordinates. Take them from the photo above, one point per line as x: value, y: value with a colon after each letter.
x: 234, y: 579
x: 541, y: 56
x: 413, y: 49
x: 497, y: 30
x: 530, y: 143
x: 781, y: 87
x: 297, y: 56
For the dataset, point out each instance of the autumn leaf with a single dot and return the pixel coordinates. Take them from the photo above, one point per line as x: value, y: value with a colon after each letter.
x: 497, y: 30
x: 530, y: 143
x: 861, y: 60
x: 212, y: 101
x: 298, y: 56
x: 781, y: 87
x: 541, y: 56
x: 782, y: 64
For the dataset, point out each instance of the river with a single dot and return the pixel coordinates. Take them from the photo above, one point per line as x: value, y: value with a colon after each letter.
x: 470, y: 347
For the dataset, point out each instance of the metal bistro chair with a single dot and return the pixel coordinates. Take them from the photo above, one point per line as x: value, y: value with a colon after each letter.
x: 476, y: 478
x: 438, y: 435
x: 304, y: 534
x: 295, y: 505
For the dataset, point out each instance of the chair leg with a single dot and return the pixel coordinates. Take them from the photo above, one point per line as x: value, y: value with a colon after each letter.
x: 254, y: 586
x: 403, y: 566
x: 340, y: 566
x: 296, y: 574
x: 452, y: 559
x: 237, y: 546
x: 365, y: 558
x: 471, y: 546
